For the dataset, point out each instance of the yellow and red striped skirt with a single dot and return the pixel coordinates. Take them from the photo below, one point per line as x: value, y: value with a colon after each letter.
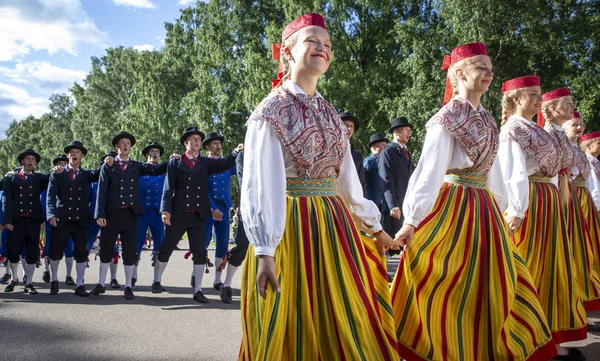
x: 462, y: 291
x: 583, y: 230
x: 544, y: 244
x: 328, y: 307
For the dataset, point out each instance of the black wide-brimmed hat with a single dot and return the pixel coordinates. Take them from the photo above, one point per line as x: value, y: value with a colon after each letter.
x: 27, y: 152
x: 190, y: 131
x: 399, y: 123
x: 60, y: 158
x: 210, y: 137
x: 75, y: 144
x: 153, y: 145
x: 376, y: 138
x: 122, y: 134
x: 352, y: 118
x: 110, y: 153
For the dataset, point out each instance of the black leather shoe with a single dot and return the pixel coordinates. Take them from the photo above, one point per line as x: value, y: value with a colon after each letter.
x: 593, y: 328
x: 30, y: 289
x: 129, y: 293
x: 54, y: 287
x: 217, y: 286
x: 5, y: 279
x: 199, y: 297
x: 193, y: 281
x: 99, y: 289
x: 114, y: 284
x: 46, y: 276
x: 11, y: 286
x: 226, y: 294
x: 573, y: 355
x: 133, y: 282
x: 81, y: 292
x: 157, y: 287
x: 69, y: 281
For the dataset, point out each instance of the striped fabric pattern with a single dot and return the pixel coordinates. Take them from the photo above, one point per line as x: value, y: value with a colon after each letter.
x: 584, y: 231
x: 328, y: 307
x: 462, y: 291
x: 543, y: 243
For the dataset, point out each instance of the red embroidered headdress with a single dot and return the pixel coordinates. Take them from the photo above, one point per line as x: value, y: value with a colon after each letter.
x: 576, y: 115
x: 460, y: 53
x: 522, y: 82
x: 590, y: 136
x: 551, y: 95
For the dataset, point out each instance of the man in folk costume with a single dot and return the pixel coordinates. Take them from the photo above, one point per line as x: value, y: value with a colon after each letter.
x: 395, y: 168
x: 185, y: 206
x: 68, y: 213
x: 151, y: 188
x: 219, y: 195
x: 23, y: 216
x: 590, y: 143
x: 374, y: 183
x: 118, y: 206
x: 352, y: 124
x: 61, y: 160
x: 3, y: 255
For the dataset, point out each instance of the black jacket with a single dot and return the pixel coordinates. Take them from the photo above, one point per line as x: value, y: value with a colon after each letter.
x: 69, y: 200
x: 358, y: 163
x: 23, y: 196
x: 395, y: 171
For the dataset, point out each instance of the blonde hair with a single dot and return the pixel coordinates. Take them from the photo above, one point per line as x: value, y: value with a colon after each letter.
x: 286, y: 68
x: 462, y: 65
x: 508, y: 103
x: 587, y: 143
x: 546, y: 112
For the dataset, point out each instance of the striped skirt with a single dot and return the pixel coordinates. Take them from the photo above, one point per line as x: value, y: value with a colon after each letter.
x: 462, y: 291
x: 329, y: 307
x: 543, y: 243
x: 585, y: 244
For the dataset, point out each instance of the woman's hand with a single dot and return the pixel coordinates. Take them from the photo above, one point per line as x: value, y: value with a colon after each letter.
x: 265, y: 274
x: 385, y: 242
x: 405, y: 235
x: 514, y: 223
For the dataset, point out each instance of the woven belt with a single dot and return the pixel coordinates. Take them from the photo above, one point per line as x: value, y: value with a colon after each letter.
x: 311, y: 187
x: 540, y: 178
x: 473, y: 180
x: 579, y: 183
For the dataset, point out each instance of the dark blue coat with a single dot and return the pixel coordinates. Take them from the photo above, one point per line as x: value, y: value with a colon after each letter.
x: 375, y: 187
x: 118, y: 189
x: 358, y: 163
x: 219, y: 188
x: 23, y: 196
x: 69, y: 200
x: 395, y: 171
x: 186, y: 189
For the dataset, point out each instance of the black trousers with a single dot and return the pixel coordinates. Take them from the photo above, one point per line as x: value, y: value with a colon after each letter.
x: 195, y: 228
x: 122, y: 223
x: 59, y: 237
x: 238, y: 253
x: 391, y: 226
x: 26, y: 235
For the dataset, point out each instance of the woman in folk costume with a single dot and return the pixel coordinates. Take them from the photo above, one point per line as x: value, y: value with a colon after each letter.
x: 590, y: 143
x: 530, y: 158
x: 305, y: 288
x: 462, y: 291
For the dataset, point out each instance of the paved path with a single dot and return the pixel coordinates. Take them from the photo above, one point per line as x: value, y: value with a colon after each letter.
x: 170, y: 326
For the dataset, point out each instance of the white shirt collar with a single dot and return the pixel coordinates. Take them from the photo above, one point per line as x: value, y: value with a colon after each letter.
x: 479, y: 108
x: 295, y: 89
x: 117, y: 159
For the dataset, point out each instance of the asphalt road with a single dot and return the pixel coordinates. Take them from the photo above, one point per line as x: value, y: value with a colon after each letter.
x: 169, y: 326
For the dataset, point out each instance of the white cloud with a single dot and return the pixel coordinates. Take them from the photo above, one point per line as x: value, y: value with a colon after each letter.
x: 145, y: 47
x: 145, y: 4
x: 16, y: 103
x: 51, y: 25
x: 43, y: 75
x: 186, y: 2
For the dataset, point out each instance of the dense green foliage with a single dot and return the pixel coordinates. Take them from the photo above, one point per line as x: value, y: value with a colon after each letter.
x: 215, y: 68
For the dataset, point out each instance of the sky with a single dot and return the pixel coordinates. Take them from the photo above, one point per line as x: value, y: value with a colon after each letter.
x: 46, y: 45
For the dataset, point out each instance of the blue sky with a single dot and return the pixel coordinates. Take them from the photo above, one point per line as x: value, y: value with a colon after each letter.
x: 46, y: 45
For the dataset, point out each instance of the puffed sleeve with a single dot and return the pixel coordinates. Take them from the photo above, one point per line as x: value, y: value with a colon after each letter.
x: 593, y: 184
x: 495, y: 183
x: 427, y: 180
x: 515, y: 176
x: 351, y: 191
x: 263, y: 200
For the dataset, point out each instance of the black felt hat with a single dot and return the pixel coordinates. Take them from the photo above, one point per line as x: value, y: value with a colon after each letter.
x: 399, y: 123
x: 27, y: 152
x: 75, y: 144
x: 110, y: 153
x: 352, y: 118
x: 190, y: 131
x: 122, y: 134
x: 376, y: 138
x: 153, y: 145
x: 210, y: 137
x: 60, y: 158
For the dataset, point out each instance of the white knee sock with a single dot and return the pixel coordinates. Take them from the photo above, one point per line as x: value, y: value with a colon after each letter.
x: 29, y: 269
x: 229, y: 275
x: 103, y: 270
x: 128, y: 275
x: 69, y: 263
x: 198, y: 274
x: 54, y: 269
x: 80, y: 268
x: 24, y: 267
x: 218, y: 261
x: 14, y: 269
x: 159, y: 268
x: 590, y: 321
x: 135, y: 271
x: 113, y: 270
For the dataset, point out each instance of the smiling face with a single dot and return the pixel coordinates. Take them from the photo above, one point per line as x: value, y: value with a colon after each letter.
x: 563, y: 109
x: 529, y: 101
x: 75, y: 156
x: 574, y: 128
x: 29, y: 162
x: 123, y: 147
x: 475, y: 74
x: 214, y: 147
x: 311, y: 53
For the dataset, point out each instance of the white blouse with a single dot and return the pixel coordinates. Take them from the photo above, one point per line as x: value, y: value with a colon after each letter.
x: 263, y: 198
x: 441, y: 151
x: 593, y: 185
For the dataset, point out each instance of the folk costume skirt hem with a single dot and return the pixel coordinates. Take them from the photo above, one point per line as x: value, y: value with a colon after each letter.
x: 592, y: 219
x: 462, y: 291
